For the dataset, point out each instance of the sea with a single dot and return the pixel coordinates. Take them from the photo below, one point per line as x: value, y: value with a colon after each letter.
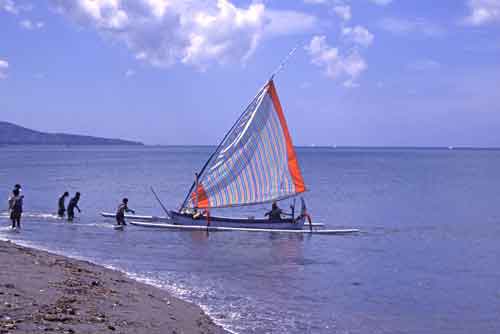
x: 427, y: 259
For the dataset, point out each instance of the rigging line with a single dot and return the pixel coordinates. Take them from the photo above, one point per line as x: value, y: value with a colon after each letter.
x: 159, y: 201
x: 284, y: 62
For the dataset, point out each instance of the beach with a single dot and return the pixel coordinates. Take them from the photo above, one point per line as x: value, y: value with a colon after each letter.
x: 42, y: 292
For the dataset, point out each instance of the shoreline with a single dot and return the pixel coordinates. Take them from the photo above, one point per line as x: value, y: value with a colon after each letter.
x: 45, y: 292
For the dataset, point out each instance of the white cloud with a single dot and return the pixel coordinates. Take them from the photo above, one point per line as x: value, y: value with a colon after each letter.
x: 381, y: 2
x: 483, y: 12
x: 343, y: 11
x: 358, y: 35
x: 196, y: 33
x: 13, y: 7
x: 335, y: 65
x: 4, y: 66
x: 30, y: 25
x: 424, y: 65
x: 399, y: 26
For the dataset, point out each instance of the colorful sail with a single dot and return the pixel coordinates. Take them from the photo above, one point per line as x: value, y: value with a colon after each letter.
x: 255, y: 163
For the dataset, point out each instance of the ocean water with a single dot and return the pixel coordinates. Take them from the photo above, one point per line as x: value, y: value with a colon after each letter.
x: 427, y: 260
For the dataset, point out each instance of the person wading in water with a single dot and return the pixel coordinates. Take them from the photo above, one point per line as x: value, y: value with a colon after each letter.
x: 61, y: 205
x: 16, y: 208
x: 73, y: 203
x: 120, y: 212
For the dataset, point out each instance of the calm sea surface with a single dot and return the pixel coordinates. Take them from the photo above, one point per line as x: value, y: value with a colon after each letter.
x: 428, y: 260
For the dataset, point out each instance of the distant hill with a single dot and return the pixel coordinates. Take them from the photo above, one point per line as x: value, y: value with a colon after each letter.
x: 12, y: 134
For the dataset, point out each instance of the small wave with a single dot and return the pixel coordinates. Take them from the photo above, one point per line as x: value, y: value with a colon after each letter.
x: 35, y: 215
x: 102, y: 225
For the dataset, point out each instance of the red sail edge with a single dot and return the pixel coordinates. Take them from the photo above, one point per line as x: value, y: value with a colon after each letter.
x: 293, y: 164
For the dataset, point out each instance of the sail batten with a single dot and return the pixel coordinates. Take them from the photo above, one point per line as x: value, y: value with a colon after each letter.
x: 255, y: 162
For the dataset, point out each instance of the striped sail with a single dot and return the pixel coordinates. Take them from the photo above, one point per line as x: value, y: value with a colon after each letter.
x: 256, y: 161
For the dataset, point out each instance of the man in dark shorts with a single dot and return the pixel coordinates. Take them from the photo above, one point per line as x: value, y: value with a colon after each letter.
x: 61, y: 205
x: 73, y: 203
x: 16, y: 208
x: 120, y: 212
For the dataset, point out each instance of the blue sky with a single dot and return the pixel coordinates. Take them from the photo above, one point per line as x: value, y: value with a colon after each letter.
x: 366, y: 72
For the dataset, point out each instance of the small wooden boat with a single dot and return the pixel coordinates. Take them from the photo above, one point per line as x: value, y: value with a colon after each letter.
x: 254, y: 164
x: 164, y: 219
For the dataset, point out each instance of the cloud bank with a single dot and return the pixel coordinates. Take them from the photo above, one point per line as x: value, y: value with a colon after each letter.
x: 197, y: 33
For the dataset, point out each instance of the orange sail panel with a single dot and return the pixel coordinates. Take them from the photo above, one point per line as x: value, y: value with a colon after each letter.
x: 255, y: 163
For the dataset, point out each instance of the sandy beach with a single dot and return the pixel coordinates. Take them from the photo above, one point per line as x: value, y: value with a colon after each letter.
x: 46, y: 293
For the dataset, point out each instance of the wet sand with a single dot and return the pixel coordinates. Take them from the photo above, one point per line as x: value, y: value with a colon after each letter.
x: 46, y: 293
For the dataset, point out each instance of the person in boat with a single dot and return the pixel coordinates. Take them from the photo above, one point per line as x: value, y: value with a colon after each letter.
x: 73, y: 203
x: 16, y: 208
x: 276, y: 212
x: 61, y: 205
x: 120, y: 212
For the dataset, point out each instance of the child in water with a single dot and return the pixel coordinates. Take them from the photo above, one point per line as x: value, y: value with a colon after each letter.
x: 73, y: 203
x: 61, y: 205
x: 16, y: 208
x: 120, y: 212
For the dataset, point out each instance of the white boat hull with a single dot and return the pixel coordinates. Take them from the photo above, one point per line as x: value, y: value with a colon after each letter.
x: 138, y: 217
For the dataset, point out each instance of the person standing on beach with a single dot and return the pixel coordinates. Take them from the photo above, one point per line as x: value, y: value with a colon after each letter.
x: 16, y: 208
x: 73, y: 203
x: 120, y: 212
x: 61, y: 205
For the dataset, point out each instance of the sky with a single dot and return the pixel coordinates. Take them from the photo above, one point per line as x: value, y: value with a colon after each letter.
x: 171, y: 72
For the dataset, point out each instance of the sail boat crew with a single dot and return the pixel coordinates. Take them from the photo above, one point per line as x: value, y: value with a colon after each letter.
x: 61, y: 205
x: 276, y: 212
x: 120, y: 212
x: 73, y: 203
x: 16, y: 207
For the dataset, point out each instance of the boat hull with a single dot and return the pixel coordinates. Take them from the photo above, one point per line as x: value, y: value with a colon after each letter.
x: 141, y: 218
x: 284, y: 224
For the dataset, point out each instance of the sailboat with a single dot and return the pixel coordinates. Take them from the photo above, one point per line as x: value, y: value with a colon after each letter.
x: 255, y: 163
